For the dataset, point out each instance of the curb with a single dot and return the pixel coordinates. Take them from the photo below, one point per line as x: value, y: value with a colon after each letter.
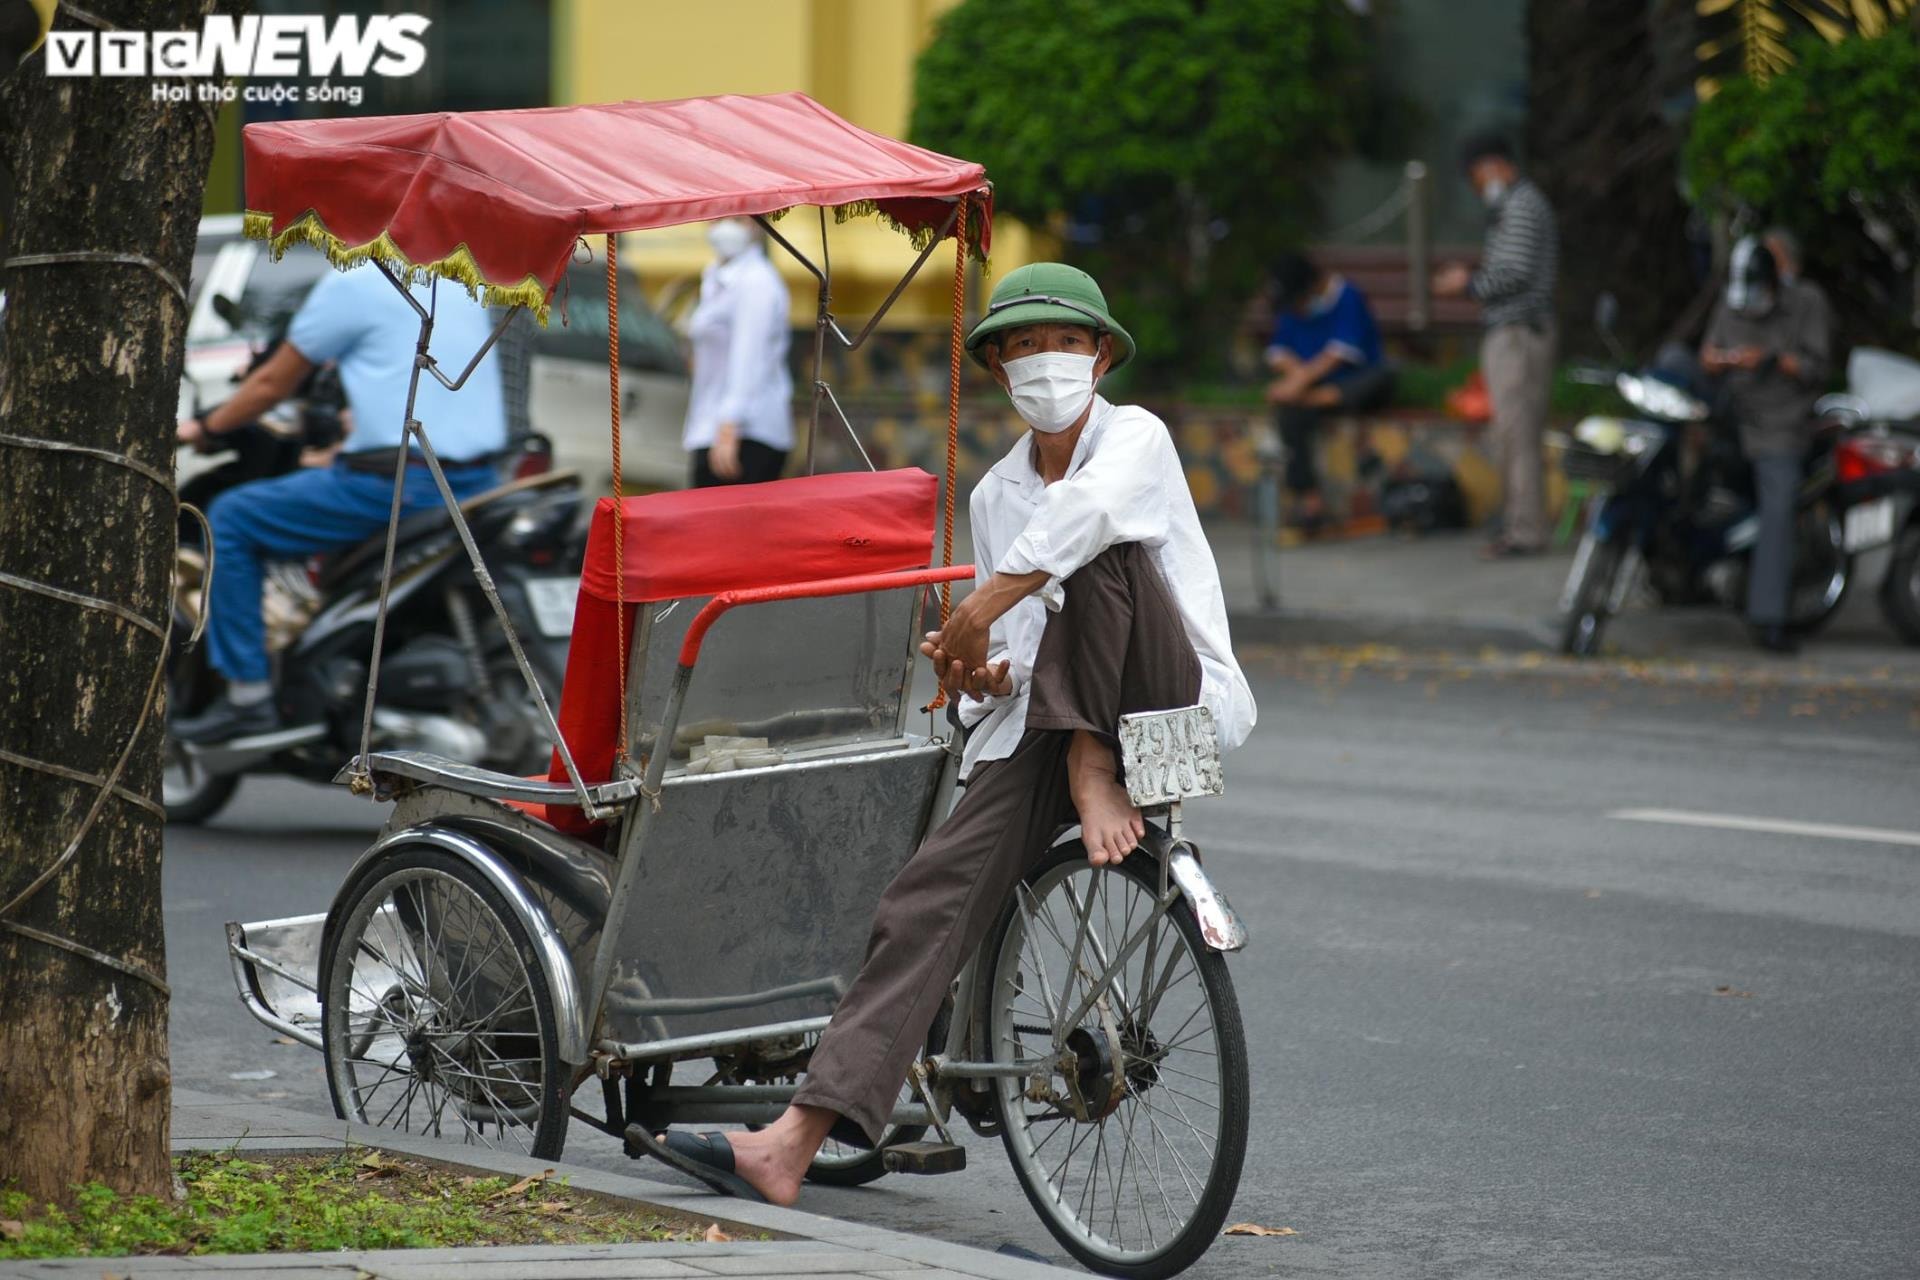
x: 831, y: 1244
x: 1511, y: 647
x: 1310, y: 628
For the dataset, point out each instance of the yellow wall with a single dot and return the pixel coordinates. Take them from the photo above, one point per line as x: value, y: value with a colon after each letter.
x: 854, y: 56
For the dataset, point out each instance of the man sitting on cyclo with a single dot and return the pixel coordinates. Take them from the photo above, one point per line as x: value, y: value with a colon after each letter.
x: 1097, y: 596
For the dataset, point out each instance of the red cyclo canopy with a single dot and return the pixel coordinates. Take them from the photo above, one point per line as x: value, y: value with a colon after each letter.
x: 498, y: 199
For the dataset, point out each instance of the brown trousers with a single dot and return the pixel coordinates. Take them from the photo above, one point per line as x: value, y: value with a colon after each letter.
x: 1117, y: 645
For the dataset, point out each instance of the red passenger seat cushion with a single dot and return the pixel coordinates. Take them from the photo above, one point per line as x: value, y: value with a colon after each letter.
x: 701, y: 542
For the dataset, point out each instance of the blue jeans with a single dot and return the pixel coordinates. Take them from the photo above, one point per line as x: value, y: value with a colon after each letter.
x: 289, y: 517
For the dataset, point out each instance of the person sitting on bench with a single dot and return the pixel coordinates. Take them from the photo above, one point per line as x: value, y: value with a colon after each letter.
x: 1327, y: 355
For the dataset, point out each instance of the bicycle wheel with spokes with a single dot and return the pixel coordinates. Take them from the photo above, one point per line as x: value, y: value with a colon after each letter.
x: 1129, y: 1134
x: 436, y: 1017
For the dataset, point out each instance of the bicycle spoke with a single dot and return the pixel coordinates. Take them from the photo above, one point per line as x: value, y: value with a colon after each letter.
x: 1184, y: 1169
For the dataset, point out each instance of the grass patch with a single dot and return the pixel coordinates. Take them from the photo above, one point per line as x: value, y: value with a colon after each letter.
x: 358, y: 1199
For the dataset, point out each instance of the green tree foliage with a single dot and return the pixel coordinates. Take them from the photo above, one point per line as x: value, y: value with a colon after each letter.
x: 1829, y: 147
x: 1192, y: 135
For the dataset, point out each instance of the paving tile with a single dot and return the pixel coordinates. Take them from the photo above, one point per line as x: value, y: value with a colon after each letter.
x: 919, y: 1275
x: 912, y: 1251
x: 551, y: 1269
x: 790, y: 1262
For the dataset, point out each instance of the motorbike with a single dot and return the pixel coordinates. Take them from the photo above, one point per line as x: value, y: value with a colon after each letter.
x: 1877, y: 470
x: 448, y: 680
x: 1687, y: 531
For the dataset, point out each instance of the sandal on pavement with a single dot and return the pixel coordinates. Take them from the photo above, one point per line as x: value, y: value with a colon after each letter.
x: 707, y: 1157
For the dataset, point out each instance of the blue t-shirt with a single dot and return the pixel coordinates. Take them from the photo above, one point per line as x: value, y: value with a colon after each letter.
x: 1343, y: 322
x: 359, y: 321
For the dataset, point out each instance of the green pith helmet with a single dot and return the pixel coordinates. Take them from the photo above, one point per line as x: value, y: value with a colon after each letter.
x: 1049, y: 293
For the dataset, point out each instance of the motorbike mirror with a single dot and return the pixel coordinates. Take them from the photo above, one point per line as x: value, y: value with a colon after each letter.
x: 1606, y: 312
x: 1841, y: 407
x: 227, y: 309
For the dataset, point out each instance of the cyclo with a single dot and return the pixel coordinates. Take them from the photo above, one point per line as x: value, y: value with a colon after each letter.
x: 667, y: 920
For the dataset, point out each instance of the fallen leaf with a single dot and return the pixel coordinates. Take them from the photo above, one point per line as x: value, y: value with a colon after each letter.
x: 522, y: 1185
x: 375, y: 1165
x: 715, y: 1235
x: 12, y: 1230
x: 284, y: 1040
x: 1804, y: 709
x: 1733, y: 991
x: 1255, y: 1229
x: 554, y: 1207
x: 1593, y: 893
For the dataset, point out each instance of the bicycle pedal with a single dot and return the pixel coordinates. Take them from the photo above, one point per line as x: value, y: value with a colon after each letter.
x: 924, y: 1157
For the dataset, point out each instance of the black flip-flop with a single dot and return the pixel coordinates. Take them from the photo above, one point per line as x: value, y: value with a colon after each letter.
x: 707, y: 1157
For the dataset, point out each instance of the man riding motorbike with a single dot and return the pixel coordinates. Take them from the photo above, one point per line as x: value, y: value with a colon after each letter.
x: 356, y: 320
x: 1770, y: 346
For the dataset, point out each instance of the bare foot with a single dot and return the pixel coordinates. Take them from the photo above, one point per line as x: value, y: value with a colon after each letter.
x: 775, y: 1160
x: 1110, y: 826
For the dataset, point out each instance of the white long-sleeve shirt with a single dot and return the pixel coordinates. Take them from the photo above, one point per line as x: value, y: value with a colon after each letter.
x: 1125, y: 484
x: 740, y: 336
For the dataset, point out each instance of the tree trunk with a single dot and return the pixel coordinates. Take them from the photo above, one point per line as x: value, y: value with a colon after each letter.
x: 1607, y: 152
x: 91, y: 357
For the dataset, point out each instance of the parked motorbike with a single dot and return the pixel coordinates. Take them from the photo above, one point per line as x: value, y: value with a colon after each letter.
x: 1687, y: 532
x: 1877, y: 471
x: 449, y: 683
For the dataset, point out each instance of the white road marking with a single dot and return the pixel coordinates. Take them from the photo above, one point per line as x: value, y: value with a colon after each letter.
x: 1773, y: 826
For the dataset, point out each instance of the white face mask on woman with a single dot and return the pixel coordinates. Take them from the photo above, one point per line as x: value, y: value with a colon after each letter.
x: 729, y: 239
x: 1051, y: 390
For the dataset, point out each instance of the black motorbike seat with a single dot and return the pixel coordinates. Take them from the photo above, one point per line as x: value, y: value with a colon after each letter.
x: 338, y: 567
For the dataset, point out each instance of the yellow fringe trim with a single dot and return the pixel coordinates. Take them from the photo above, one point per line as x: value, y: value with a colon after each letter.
x: 919, y: 237
x: 457, y: 266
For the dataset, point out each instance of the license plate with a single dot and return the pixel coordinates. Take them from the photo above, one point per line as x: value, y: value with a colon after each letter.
x: 552, y: 602
x: 1869, y: 525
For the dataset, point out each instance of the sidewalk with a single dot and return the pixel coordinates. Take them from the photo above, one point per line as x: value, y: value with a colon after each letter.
x: 806, y: 1244
x: 1434, y: 594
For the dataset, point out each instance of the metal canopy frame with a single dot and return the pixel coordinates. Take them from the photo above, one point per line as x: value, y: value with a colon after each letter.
x: 824, y: 322
x: 607, y: 800
x: 412, y: 430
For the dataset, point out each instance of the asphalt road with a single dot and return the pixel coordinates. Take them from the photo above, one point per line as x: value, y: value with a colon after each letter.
x: 1495, y: 1031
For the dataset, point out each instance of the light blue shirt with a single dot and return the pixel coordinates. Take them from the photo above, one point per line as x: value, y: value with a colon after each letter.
x: 357, y: 320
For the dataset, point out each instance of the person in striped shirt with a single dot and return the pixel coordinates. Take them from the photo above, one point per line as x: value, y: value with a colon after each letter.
x: 1514, y: 286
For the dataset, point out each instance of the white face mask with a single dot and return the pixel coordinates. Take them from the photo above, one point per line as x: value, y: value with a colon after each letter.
x: 729, y: 239
x: 1050, y: 390
x: 1493, y: 190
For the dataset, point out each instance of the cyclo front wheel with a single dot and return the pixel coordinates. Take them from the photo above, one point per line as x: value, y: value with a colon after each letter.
x: 436, y: 1017
x: 1129, y: 1144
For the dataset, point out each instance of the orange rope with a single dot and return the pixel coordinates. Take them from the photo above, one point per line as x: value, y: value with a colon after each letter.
x: 953, y: 411
x: 619, y: 506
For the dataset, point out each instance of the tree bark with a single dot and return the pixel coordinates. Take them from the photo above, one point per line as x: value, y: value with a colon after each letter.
x: 1605, y: 149
x: 92, y: 356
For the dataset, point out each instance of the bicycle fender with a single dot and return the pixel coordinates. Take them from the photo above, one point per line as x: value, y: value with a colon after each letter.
x: 550, y: 948
x: 1220, y: 925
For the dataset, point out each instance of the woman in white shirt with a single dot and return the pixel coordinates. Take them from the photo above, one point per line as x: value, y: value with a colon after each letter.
x: 740, y: 411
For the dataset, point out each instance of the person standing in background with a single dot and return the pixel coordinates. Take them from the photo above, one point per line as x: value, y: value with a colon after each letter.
x: 740, y: 410
x: 1514, y: 287
x: 1770, y: 344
